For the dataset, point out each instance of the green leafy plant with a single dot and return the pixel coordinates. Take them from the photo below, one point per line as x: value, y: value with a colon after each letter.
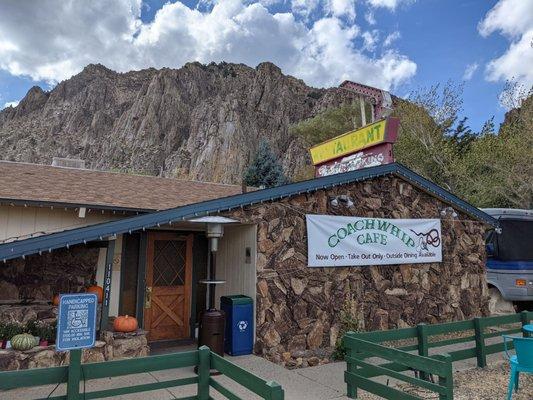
x: 47, y: 332
x: 349, y: 322
x: 2, y: 331
x: 32, y: 326
x: 52, y: 333
x: 330, y: 123
x: 12, y: 329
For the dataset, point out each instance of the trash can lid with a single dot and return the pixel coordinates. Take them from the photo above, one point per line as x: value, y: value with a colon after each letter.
x: 237, y: 299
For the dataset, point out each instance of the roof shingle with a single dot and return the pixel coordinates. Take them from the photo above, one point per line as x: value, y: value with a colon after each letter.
x: 46, y: 183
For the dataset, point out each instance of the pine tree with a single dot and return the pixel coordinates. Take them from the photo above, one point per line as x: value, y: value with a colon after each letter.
x: 265, y: 169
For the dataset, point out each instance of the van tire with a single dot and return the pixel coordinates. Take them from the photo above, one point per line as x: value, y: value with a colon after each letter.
x: 497, y: 304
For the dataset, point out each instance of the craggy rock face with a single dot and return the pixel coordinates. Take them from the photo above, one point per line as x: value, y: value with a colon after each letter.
x: 200, y: 122
x: 299, y: 308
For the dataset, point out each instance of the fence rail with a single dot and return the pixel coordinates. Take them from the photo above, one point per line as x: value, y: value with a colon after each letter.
x: 364, y: 345
x: 202, y: 358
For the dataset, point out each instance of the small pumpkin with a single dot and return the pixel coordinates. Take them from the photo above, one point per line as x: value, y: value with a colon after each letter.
x: 98, y: 291
x: 125, y: 324
x: 55, y: 300
x: 23, y: 341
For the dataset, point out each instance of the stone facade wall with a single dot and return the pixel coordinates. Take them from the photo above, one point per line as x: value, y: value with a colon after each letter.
x: 39, y: 277
x: 299, y: 308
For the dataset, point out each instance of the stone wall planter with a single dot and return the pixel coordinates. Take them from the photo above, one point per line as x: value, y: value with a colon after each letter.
x: 111, y: 346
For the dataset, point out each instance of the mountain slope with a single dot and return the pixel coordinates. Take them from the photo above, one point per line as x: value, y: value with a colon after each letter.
x: 198, y: 122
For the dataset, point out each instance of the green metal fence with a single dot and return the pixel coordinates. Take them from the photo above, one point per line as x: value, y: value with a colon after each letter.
x: 203, y: 358
x: 422, y: 338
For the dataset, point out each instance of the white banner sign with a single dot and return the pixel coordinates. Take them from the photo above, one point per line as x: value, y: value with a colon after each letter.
x: 334, y: 241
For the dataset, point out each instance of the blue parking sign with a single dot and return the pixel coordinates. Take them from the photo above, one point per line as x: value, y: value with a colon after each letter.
x: 76, y: 323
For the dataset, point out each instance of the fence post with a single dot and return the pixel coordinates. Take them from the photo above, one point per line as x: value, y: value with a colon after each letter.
x: 523, y: 318
x: 351, y: 390
x: 481, y: 353
x: 423, y: 348
x: 446, y: 381
x: 74, y: 369
x: 204, y: 369
x: 276, y: 392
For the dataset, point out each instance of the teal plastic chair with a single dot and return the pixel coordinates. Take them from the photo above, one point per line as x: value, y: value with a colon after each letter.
x: 521, y: 362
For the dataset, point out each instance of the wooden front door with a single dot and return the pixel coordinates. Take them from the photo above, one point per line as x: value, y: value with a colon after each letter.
x: 168, y: 285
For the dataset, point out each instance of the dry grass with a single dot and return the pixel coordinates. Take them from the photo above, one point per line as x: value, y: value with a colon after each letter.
x: 476, y: 384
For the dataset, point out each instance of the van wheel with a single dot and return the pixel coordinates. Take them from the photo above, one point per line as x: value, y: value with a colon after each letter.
x: 498, y: 305
x: 523, y: 305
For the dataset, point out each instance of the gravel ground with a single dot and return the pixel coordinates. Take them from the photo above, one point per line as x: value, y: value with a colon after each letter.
x: 476, y: 384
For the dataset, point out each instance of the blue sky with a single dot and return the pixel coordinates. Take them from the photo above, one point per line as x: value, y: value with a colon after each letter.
x: 398, y: 45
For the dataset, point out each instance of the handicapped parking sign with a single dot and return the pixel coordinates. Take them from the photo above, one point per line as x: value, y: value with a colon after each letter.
x: 76, y: 327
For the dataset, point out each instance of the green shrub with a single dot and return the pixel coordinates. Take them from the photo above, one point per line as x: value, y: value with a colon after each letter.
x: 12, y: 329
x: 349, y: 321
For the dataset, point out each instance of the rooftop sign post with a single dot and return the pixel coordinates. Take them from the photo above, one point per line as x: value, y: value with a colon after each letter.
x: 371, y: 145
x: 76, y: 330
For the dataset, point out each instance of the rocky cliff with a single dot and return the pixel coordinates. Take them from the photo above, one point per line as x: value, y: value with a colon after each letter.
x: 200, y: 121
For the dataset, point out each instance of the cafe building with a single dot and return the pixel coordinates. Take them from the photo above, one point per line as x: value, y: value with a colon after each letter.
x: 381, y: 244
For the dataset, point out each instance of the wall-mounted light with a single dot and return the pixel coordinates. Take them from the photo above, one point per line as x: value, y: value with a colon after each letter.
x: 342, y: 199
x: 448, y: 211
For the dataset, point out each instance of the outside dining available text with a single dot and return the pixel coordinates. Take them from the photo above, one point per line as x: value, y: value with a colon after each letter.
x: 76, y: 327
x: 335, y: 241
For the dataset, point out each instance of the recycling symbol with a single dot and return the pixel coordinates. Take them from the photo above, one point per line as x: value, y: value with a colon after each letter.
x: 242, y: 325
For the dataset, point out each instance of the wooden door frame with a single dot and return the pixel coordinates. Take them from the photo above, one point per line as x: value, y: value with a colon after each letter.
x: 152, y: 236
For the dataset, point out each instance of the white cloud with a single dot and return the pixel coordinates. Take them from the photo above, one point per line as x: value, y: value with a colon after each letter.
x: 391, y: 38
x: 304, y: 7
x: 510, y: 17
x: 513, y: 19
x: 11, y: 104
x: 469, y: 71
x: 369, y: 18
x: 342, y: 8
x: 320, y: 51
x: 53, y: 46
x: 327, y: 8
x: 370, y: 39
x: 329, y: 57
x: 390, y: 4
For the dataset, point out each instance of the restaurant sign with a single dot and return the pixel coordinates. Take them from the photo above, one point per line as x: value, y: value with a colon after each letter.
x: 370, y: 157
x: 383, y: 131
x: 335, y: 241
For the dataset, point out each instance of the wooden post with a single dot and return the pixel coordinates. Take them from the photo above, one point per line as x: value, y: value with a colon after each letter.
x: 74, y: 368
x: 363, y: 114
x: 447, y: 380
x: 481, y: 353
x: 423, y: 347
x: 141, y: 279
x: 350, y: 367
x: 523, y: 318
x: 276, y: 392
x: 108, y: 274
x: 204, y: 369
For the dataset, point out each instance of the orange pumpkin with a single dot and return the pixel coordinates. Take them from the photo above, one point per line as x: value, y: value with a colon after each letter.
x: 125, y: 324
x: 55, y: 300
x: 98, y: 291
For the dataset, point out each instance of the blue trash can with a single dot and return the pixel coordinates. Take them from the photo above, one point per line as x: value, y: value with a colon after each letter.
x: 239, y: 335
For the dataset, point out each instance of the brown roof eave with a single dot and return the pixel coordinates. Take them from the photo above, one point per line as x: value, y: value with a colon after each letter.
x: 44, y: 203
